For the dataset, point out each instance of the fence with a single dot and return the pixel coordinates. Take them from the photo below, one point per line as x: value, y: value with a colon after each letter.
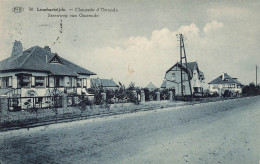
x: 25, y: 103
x: 74, y: 100
x: 41, y: 102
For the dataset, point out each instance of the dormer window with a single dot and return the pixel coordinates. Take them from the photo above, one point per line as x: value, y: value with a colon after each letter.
x: 55, y: 59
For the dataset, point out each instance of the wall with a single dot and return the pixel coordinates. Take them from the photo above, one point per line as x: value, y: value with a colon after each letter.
x: 220, y: 88
x: 195, y: 82
x: 43, y: 115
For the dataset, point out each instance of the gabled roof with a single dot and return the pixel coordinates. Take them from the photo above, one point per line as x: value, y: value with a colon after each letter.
x: 227, y: 80
x: 103, y: 82
x: 163, y: 85
x: 37, y: 59
x: 190, y: 67
x: 151, y: 86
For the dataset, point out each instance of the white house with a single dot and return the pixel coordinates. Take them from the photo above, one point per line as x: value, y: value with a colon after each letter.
x: 38, y: 72
x: 225, y: 82
x: 173, y: 78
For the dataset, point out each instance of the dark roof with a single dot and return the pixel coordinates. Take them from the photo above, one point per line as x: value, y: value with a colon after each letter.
x: 103, y: 82
x: 201, y: 73
x: 190, y: 66
x: 189, y: 69
x: 37, y: 59
x: 227, y: 80
x: 163, y: 84
x: 151, y: 86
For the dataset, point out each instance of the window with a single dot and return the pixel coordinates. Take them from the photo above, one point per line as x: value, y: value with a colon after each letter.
x: 39, y: 81
x: 196, y: 89
x: 33, y: 82
x: 55, y: 59
x: 51, y: 81
x: 215, y: 87
x: 79, y: 82
x: 47, y: 81
x: 24, y: 81
x: 7, y: 82
x: 57, y: 81
x: 183, y: 87
x: 173, y: 76
x: 183, y: 76
x: 71, y: 80
x: 231, y: 86
x: 84, y: 82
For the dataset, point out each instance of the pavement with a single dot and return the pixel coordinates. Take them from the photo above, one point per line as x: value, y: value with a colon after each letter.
x: 216, y: 132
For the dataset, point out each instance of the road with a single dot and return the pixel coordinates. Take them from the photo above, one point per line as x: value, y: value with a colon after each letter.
x: 216, y: 132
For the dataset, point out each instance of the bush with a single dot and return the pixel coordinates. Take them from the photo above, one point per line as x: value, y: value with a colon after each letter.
x: 227, y: 93
x: 215, y: 94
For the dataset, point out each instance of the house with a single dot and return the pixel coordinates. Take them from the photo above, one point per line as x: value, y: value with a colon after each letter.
x: 173, y: 78
x: 107, y: 84
x: 151, y: 86
x: 163, y: 85
x: 225, y: 82
x: 39, y: 72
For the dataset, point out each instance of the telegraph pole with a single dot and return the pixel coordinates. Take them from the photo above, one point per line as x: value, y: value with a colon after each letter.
x: 255, y: 75
x: 183, y: 56
x: 181, y: 64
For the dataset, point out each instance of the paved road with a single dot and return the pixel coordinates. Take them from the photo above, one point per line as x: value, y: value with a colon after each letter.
x: 218, y: 132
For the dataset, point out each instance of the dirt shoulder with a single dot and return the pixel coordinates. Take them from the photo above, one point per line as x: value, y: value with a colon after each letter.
x: 29, y: 119
x: 203, y: 133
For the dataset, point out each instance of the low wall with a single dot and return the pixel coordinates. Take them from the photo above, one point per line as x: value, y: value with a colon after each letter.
x: 27, y: 117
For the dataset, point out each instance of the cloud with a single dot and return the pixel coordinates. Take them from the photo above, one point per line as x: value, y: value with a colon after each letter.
x: 228, y: 11
x: 212, y: 26
x: 191, y: 30
x: 149, y: 57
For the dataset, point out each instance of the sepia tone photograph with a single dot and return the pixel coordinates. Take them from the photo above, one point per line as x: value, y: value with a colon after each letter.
x: 129, y: 82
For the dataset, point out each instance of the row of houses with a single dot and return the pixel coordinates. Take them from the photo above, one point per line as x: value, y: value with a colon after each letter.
x: 192, y: 73
x: 39, y: 72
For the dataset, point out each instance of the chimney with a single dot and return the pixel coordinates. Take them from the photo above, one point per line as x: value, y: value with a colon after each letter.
x: 47, y: 48
x: 223, y: 76
x: 17, y: 49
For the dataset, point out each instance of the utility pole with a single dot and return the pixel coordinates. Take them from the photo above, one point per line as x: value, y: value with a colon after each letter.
x: 181, y: 58
x: 181, y: 64
x: 255, y: 75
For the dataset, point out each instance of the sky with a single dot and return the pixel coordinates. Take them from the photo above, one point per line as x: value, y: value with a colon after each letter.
x: 138, y: 42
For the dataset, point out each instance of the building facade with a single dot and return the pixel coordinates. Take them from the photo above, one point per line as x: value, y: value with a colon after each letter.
x: 225, y: 82
x: 191, y: 72
x: 107, y: 84
x: 39, y: 72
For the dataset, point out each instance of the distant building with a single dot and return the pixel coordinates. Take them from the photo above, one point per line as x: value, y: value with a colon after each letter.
x: 37, y: 71
x: 151, y: 86
x: 163, y: 85
x: 173, y: 78
x: 225, y: 82
x: 105, y: 83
